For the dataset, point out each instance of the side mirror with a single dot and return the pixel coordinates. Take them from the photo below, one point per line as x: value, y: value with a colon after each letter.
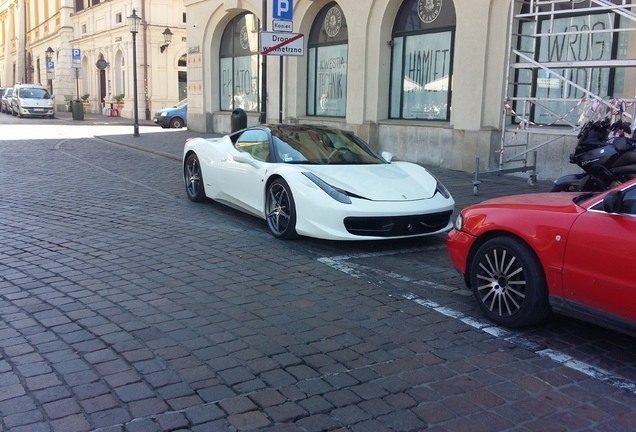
x: 613, y: 201
x: 387, y: 156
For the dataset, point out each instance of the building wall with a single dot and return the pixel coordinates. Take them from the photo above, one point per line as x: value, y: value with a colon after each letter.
x: 478, y: 82
x: 99, y: 30
x: 480, y: 45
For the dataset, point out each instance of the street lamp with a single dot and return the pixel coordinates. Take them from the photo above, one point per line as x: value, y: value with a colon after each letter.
x: 167, y: 38
x: 133, y: 21
x: 49, y: 57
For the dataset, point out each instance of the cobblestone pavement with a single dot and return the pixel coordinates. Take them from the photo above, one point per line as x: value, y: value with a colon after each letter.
x: 125, y: 307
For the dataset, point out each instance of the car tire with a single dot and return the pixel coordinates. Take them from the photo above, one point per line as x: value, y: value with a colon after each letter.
x: 280, y: 210
x: 508, y: 283
x: 193, y: 179
x: 176, y: 123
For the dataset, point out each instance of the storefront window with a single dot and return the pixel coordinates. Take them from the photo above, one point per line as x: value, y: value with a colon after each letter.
x: 240, y: 71
x: 328, y: 59
x: 574, y: 38
x: 422, y: 60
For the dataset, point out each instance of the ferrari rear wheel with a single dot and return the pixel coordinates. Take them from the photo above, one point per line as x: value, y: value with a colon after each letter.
x: 508, y: 283
x: 193, y: 179
x: 280, y: 210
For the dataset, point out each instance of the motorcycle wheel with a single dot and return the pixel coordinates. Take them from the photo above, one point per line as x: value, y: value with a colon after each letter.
x: 564, y: 188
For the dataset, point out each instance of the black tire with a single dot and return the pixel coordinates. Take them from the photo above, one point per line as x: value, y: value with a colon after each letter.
x: 280, y: 210
x: 193, y: 179
x: 508, y: 283
x: 176, y: 123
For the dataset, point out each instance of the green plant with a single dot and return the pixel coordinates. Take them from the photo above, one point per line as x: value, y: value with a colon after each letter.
x: 85, y: 97
x: 119, y: 97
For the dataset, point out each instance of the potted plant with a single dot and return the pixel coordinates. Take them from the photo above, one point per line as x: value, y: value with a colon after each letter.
x: 85, y: 97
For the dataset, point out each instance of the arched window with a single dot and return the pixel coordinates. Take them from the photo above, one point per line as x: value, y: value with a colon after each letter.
x: 240, y: 64
x: 328, y: 58
x: 119, y: 74
x: 422, y: 60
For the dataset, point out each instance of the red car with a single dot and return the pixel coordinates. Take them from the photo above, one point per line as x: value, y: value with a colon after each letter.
x: 524, y: 256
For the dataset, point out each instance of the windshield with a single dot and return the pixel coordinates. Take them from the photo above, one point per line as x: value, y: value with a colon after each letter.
x: 181, y: 103
x: 34, y: 93
x: 322, y: 146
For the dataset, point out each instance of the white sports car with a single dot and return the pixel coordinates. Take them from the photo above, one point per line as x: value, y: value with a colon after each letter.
x: 318, y: 182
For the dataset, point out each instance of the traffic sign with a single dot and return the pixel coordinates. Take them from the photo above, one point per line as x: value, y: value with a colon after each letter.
x: 282, y: 26
x: 282, y: 44
x: 282, y: 9
x: 50, y: 65
x: 76, y: 56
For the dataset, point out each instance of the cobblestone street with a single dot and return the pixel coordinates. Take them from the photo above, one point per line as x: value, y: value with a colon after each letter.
x: 126, y: 307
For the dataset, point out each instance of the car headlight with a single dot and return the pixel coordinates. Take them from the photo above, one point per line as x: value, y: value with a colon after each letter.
x: 163, y: 114
x: 337, y: 194
x: 459, y: 222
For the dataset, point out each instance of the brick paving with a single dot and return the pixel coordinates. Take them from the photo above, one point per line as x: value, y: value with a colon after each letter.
x: 124, y: 307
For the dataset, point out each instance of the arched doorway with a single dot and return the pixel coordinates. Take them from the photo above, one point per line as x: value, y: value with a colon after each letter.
x: 182, y: 72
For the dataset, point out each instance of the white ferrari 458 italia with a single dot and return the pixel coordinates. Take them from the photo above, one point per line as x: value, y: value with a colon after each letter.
x: 318, y: 182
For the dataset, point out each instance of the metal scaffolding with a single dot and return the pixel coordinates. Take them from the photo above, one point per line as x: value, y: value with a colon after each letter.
x: 562, y: 54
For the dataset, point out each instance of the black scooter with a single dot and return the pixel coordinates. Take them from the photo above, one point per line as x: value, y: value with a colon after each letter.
x: 605, y: 153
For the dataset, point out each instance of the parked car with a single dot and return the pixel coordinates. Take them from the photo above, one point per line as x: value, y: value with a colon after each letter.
x: 173, y: 117
x: 527, y: 255
x: 31, y: 100
x: 1, y: 94
x: 316, y: 181
x: 5, y: 103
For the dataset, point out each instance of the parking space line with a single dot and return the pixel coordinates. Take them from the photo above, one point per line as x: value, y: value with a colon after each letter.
x: 341, y: 263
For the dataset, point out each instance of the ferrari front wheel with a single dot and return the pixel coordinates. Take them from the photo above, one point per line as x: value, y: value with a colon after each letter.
x: 508, y: 283
x: 193, y: 178
x: 280, y: 210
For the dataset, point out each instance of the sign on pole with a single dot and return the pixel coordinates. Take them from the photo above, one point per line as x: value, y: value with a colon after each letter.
x: 282, y: 26
x: 76, y: 57
x: 282, y: 44
x: 282, y: 10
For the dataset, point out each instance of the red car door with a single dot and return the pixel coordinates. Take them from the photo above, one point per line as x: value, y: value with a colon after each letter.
x: 600, y: 259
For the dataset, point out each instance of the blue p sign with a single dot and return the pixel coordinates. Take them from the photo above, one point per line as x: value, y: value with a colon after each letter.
x: 282, y: 9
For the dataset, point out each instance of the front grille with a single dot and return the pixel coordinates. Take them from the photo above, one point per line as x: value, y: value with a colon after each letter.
x: 397, y: 226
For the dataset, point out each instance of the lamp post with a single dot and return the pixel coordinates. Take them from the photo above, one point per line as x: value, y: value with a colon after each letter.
x: 49, y: 57
x: 134, y: 20
x: 167, y: 38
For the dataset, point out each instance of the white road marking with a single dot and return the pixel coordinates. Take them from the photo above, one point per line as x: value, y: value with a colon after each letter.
x: 340, y: 263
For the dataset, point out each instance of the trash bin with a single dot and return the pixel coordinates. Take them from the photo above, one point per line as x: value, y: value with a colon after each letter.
x: 238, y: 120
x: 77, y: 108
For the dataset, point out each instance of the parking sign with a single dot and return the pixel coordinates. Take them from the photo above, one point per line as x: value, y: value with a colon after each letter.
x: 76, y: 56
x: 282, y: 9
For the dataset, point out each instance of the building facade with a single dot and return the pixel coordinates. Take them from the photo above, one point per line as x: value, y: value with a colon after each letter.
x: 84, y: 48
x: 423, y: 79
